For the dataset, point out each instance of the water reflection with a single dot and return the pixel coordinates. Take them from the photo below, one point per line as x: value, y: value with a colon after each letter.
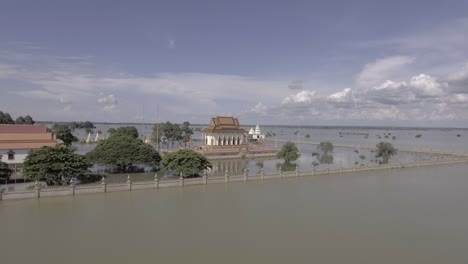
x: 286, y: 166
x: 232, y: 166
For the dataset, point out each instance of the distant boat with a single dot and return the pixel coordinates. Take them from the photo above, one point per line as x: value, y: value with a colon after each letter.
x: 88, y: 139
x: 97, y: 137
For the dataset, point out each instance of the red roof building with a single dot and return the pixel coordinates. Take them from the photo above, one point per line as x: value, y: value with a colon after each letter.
x: 17, y: 140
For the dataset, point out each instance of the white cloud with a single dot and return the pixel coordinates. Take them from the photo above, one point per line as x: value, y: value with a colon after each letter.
x: 426, y: 86
x: 260, y: 109
x: 381, y: 70
x: 458, y: 99
x: 342, y: 99
x: 108, y: 102
x: 300, y: 97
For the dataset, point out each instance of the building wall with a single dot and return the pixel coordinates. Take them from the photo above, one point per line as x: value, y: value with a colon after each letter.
x: 19, y: 157
x: 217, y: 139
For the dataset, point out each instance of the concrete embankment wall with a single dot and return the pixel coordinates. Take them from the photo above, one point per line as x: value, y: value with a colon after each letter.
x: 103, y: 187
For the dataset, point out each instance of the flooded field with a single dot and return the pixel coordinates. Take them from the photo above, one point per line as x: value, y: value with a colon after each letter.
x: 416, y: 215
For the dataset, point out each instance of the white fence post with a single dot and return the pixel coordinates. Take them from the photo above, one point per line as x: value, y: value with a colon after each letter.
x: 129, y: 182
x: 262, y: 174
x: 205, y: 177
x: 156, y: 181
x: 280, y: 172
x: 38, y: 189
x: 104, y: 184
x: 73, y: 186
x: 297, y: 170
x: 226, y: 176
x: 181, y: 179
x: 246, y: 174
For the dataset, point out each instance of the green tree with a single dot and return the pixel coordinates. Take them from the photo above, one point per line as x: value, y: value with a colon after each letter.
x: 325, y: 147
x: 20, y: 120
x: 289, y: 152
x: 111, y: 130
x: 65, y: 134
x: 187, y: 132
x: 171, y: 132
x: 385, y: 150
x: 123, y: 151
x: 127, y: 130
x: 5, y: 171
x: 5, y: 118
x: 54, y: 164
x: 185, y: 161
x: 28, y: 120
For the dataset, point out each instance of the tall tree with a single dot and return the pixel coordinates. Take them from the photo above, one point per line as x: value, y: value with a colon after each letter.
x: 5, y: 171
x: 289, y: 152
x: 5, y: 118
x: 385, y: 150
x: 187, y: 132
x: 185, y: 161
x: 65, y: 134
x: 20, y: 120
x: 123, y: 151
x: 54, y: 164
x: 127, y: 130
x: 171, y: 132
x: 325, y: 147
x: 28, y: 120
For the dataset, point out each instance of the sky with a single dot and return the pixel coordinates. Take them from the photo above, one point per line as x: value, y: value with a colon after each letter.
x: 362, y: 63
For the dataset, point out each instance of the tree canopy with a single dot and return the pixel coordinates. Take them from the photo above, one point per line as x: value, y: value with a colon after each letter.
x: 169, y: 132
x: 185, y: 161
x: 126, y: 130
x: 123, y: 151
x: 325, y: 147
x: 64, y: 133
x: 289, y: 152
x: 53, y: 164
x: 5, y: 171
x: 5, y: 118
x: 385, y: 150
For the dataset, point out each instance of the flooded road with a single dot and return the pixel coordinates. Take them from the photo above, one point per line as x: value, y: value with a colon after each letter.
x: 416, y: 215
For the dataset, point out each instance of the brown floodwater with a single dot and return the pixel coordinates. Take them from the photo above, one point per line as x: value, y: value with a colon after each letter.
x: 417, y: 215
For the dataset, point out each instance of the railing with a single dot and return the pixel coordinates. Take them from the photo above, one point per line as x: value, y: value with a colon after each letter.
x: 103, y: 187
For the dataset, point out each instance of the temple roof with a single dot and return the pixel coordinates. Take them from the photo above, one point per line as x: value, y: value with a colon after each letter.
x: 224, y: 124
x: 23, y: 129
x: 25, y: 137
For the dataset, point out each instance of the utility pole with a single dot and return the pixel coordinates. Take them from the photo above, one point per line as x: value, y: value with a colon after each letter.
x: 157, y: 129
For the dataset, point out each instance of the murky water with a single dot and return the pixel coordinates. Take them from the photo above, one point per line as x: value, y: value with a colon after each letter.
x: 412, y: 216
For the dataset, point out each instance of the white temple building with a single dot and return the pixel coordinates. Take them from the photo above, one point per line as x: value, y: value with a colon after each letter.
x: 224, y: 131
x: 256, y: 134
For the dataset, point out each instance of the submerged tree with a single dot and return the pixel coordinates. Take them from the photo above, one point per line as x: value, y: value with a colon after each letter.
x: 64, y: 133
x: 54, y: 164
x: 325, y: 147
x: 187, y: 132
x: 289, y: 152
x: 123, y: 151
x: 185, y: 161
x: 385, y: 150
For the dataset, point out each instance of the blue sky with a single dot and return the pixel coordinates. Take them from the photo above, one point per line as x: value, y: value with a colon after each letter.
x: 276, y: 62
